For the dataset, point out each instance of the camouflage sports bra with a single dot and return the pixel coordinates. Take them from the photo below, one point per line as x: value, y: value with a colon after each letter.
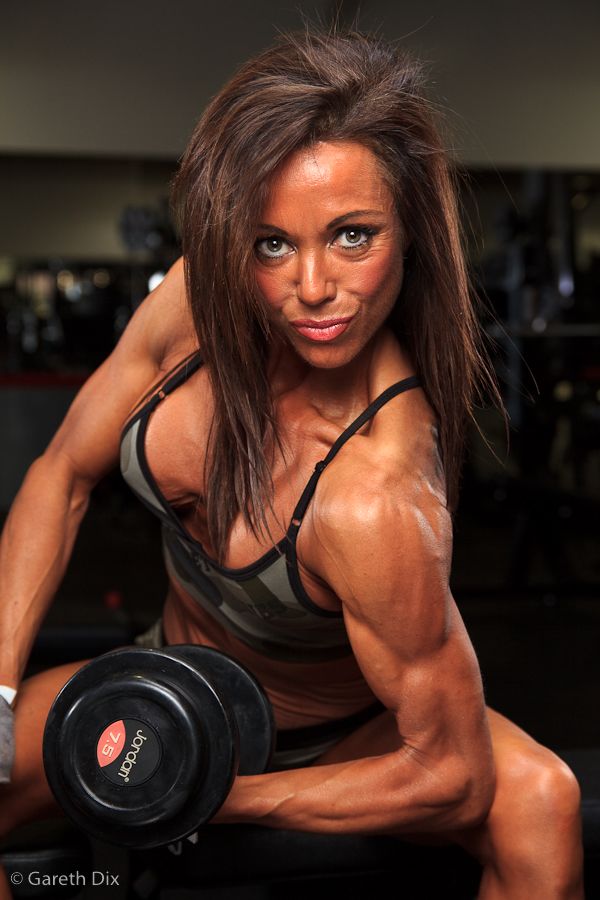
x: 263, y: 604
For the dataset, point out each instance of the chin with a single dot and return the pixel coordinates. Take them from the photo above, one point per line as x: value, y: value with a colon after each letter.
x: 328, y: 357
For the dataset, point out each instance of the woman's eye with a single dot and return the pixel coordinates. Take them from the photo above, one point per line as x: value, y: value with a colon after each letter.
x: 349, y: 238
x: 272, y: 247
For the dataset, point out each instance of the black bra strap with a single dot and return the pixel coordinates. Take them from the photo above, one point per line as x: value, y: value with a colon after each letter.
x: 398, y: 388
x: 185, y: 370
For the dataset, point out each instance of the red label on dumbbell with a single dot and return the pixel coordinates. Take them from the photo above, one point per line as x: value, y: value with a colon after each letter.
x: 112, y: 741
x: 128, y: 751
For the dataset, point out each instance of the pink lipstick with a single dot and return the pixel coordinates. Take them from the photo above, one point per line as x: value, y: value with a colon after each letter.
x: 322, y: 330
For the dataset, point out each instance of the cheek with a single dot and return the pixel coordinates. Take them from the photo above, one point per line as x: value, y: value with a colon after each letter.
x: 381, y: 276
x: 270, y: 286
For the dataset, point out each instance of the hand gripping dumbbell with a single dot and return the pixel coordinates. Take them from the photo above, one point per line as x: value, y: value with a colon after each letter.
x: 141, y: 747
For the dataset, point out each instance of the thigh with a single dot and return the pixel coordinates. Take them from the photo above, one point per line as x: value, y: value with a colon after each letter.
x: 518, y: 760
x: 28, y: 796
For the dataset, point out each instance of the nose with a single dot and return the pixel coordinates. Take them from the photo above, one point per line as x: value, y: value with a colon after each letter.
x: 315, y: 282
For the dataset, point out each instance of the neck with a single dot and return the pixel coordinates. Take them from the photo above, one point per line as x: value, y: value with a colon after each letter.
x: 335, y: 393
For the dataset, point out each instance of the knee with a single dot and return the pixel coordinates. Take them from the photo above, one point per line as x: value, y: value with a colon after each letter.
x: 534, y: 828
x: 549, y: 788
x: 535, y: 819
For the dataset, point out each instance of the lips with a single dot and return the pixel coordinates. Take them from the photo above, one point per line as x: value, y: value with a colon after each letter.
x: 322, y: 330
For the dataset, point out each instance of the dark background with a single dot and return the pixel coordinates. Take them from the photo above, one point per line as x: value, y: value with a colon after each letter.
x: 96, y: 104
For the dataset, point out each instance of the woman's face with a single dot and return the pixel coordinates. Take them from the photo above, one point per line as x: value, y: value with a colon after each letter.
x: 329, y: 251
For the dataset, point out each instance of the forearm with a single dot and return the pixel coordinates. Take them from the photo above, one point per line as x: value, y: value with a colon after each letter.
x: 389, y: 793
x: 34, y: 551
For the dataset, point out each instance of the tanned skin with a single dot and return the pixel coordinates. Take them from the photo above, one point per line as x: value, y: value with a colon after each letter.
x: 375, y: 544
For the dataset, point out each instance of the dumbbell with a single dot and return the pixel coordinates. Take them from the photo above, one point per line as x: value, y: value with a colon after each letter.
x: 141, y: 747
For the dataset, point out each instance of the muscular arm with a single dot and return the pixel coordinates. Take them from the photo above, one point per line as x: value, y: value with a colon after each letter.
x: 387, y: 555
x: 41, y: 527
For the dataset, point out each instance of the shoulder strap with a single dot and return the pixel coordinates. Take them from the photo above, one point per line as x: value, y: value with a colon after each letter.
x: 398, y: 388
x: 179, y: 373
x: 184, y: 370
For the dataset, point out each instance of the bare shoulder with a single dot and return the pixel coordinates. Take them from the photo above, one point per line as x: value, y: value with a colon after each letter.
x: 158, y: 332
x: 164, y: 320
x: 384, y: 500
x: 395, y: 459
x: 399, y: 504
x: 402, y: 440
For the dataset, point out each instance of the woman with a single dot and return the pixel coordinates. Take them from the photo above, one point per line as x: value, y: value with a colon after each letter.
x: 294, y: 399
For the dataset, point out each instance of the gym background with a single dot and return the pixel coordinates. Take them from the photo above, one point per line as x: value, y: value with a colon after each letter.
x: 97, y: 103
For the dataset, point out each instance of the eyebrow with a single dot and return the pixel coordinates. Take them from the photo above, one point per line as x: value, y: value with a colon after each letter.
x: 353, y: 215
x: 337, y: 221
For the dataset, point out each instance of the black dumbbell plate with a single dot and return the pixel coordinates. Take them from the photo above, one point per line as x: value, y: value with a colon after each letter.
x: 246, y: 698
x: 139, y: 749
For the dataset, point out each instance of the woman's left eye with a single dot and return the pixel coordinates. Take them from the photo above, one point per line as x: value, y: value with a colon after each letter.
x: 351, y: 238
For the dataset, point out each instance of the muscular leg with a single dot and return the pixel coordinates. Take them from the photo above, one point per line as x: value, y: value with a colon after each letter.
x: 28, y: 796
x: 530, y: 843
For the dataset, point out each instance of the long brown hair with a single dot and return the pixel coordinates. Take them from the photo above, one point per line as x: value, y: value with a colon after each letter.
x: 319, y: 85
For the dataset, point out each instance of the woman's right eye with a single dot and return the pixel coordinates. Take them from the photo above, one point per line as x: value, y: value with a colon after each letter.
x: 272, y: 247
